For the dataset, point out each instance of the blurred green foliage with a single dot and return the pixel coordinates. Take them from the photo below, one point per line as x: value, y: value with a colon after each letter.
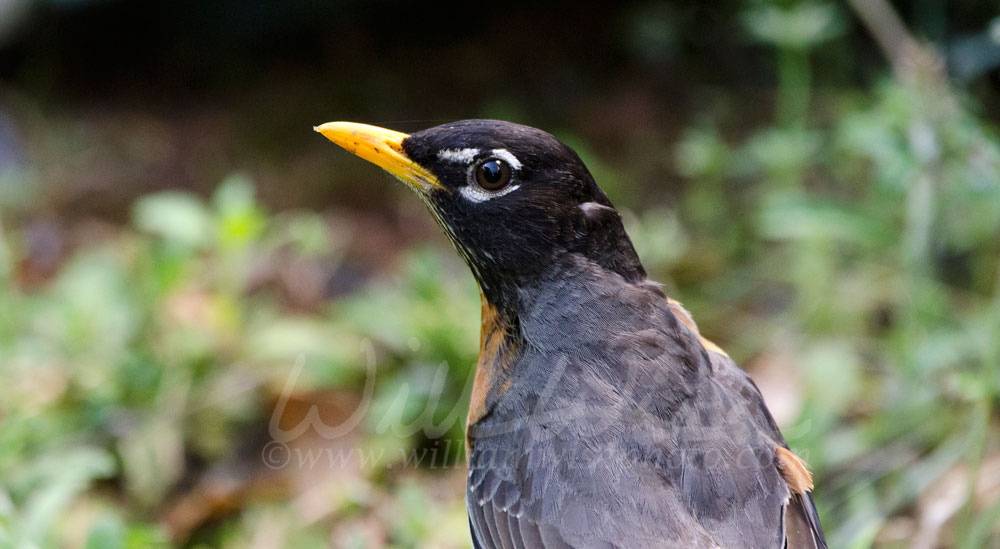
x: 880, y: 230
x: 149, y: 352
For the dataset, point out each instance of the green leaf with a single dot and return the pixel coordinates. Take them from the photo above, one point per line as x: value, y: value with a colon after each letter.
x: 240, y: 220
x: 106, y: 532
x: 800, y: 26
x: 786, y: 216
x: 53, y: 483
x: 175, y: 216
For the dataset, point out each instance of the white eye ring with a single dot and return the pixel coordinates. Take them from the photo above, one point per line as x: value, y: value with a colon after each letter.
x: 474, y: 192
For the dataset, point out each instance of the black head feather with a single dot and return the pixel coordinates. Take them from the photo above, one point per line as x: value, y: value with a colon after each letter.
x: 550, y: 208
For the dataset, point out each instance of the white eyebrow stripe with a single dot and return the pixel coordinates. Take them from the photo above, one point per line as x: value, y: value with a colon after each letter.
x: 457, y: 156
x: 507, y: 157
x: 475, y: 194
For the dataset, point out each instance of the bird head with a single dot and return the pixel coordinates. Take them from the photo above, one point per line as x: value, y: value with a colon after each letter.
x: 514, y: 200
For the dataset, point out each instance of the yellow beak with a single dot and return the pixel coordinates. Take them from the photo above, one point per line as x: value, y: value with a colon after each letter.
x: 381, y: 147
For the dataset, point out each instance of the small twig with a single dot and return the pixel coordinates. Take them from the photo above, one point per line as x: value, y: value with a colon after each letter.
x: 886, y: 28
x: 909, y: 58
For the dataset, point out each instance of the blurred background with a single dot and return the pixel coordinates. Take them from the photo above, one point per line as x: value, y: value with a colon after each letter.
x: 187, y: 271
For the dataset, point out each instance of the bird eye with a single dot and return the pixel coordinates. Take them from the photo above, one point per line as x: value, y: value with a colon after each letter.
x: 493, y: 174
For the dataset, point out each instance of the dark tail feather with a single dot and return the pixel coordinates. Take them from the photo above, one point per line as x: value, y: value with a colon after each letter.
x: 802, y: 527
x: 472, y: 531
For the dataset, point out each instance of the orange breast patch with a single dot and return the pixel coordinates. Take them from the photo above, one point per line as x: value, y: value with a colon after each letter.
x: 496, y: 356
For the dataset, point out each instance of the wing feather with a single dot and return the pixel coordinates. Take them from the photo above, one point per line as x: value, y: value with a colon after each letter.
x: 802, y: 528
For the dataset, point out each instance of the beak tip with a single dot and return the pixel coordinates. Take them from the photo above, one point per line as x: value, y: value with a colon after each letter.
x: 323, y: 128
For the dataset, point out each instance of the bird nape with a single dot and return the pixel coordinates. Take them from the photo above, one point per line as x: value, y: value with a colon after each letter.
x: 599, y: 415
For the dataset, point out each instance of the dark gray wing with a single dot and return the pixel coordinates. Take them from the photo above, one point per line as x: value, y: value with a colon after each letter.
x: 536, y: 490
x: 801, y: 527
x: 503, y: 510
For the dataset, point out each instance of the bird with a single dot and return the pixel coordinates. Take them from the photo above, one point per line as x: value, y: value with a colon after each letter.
x: 599, y: 415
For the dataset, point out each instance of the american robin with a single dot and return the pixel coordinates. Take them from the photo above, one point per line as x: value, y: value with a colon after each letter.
x: 599, y: 415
